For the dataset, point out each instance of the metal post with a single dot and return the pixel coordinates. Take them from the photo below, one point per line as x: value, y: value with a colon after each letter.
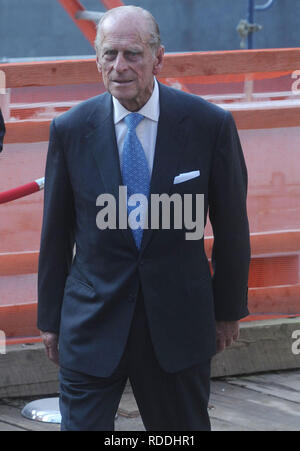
x: 89, y: 15
x: 251, y: 10
x: 251, y: 6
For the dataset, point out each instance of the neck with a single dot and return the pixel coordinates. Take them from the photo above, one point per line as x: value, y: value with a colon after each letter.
x: 137, y: 103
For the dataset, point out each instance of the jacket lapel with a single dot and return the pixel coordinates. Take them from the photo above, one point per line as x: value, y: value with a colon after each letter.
x: 170, y: 143
x: 101, y: 140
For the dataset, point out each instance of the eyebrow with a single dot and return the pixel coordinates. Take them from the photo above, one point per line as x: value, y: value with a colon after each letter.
x: 133, y: 49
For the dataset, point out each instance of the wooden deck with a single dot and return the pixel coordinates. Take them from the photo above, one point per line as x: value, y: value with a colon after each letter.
x: 262, y: 402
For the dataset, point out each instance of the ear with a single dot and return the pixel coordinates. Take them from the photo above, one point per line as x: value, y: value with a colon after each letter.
x: 158, y: 64
x: 99, y: 67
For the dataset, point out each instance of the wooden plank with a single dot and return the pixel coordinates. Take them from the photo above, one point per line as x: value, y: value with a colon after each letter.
x: 128, y: 407
x: 230, y: 62
x: 272, y: 271
x: 282, y: 242
x: 256, y: 411
x: 30, y: 131
x: 52, y: 73
x: 288, y: 379
x: 267, y: 118
x: 129, y: 424
x: 262, y: 244
x: 274, y: 385
x: 276, y: 242
x: 222, y: 425
x: 13, y: 417
x: 279, y: 299
x: 6, y: 427
x: 28, y: 112
x: 19, y: 263
x: 224, y: 79
x: 19, y: 320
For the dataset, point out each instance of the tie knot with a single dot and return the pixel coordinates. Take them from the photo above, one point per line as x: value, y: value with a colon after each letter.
x: 133, y: 120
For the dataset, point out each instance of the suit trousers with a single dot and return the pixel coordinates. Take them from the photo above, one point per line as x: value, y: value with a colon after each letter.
x: 166, y: 401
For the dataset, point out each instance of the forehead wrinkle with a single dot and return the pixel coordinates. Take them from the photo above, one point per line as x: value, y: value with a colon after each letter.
x: 111, y: 26
x: 122, y: 40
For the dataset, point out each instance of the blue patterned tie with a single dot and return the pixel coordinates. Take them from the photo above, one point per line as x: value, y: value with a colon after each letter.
x: 135, y: 169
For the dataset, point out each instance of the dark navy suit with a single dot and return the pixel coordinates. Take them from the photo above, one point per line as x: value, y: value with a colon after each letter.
x: 90, y: 300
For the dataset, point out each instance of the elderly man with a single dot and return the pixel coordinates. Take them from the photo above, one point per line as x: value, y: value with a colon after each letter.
x: 140, y: 302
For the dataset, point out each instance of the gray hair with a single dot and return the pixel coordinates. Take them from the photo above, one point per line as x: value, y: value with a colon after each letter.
x: 154, y: 41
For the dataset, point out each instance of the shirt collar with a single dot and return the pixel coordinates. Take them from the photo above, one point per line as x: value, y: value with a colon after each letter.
x: 149, y: 110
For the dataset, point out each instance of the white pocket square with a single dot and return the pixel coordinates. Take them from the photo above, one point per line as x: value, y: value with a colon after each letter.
x: 186, y: 176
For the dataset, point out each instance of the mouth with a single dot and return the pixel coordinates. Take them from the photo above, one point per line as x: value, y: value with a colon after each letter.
x: 122, y: 82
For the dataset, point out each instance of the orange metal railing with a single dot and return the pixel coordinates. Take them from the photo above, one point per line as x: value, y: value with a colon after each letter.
x: 87, y: 28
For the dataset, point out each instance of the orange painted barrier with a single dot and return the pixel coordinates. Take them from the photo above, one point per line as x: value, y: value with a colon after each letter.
x: 275, y: 299
x: 268, y: 243
x: 269, y: 131
x: 19, y: 320
x: 264, y: 63
x: 271, y: 294
x: 18, y: 263
x: 264, y: 303
x: 23, y: 340
x: 264, y: 247
x: 30, y: 131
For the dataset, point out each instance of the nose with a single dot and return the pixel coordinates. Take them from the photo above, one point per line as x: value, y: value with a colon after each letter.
x: 120, y: 63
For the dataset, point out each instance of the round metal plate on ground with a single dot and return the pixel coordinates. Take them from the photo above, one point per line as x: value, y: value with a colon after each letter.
x: 44, y: 410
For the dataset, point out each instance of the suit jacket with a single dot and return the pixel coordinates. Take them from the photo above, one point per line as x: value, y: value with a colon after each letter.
x: 89, y: 298
x: 2, y: 131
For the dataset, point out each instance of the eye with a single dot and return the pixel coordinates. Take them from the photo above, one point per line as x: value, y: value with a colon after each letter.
x: 110, y: 54
x: 132, y: 56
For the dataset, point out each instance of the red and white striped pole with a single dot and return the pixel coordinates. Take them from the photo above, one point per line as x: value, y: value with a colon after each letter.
x: 22, y: 191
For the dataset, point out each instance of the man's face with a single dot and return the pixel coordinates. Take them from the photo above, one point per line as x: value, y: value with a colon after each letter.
x: 127, y: 62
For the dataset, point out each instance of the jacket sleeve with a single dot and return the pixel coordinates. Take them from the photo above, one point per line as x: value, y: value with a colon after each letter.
x: 2, y: 130
x: 228, y: 216
x: 57, y: 237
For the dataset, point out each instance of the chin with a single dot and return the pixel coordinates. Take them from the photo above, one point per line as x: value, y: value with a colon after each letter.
x: 123, y: 93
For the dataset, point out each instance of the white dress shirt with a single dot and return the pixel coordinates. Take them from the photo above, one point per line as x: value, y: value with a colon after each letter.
x: 146, y: 130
